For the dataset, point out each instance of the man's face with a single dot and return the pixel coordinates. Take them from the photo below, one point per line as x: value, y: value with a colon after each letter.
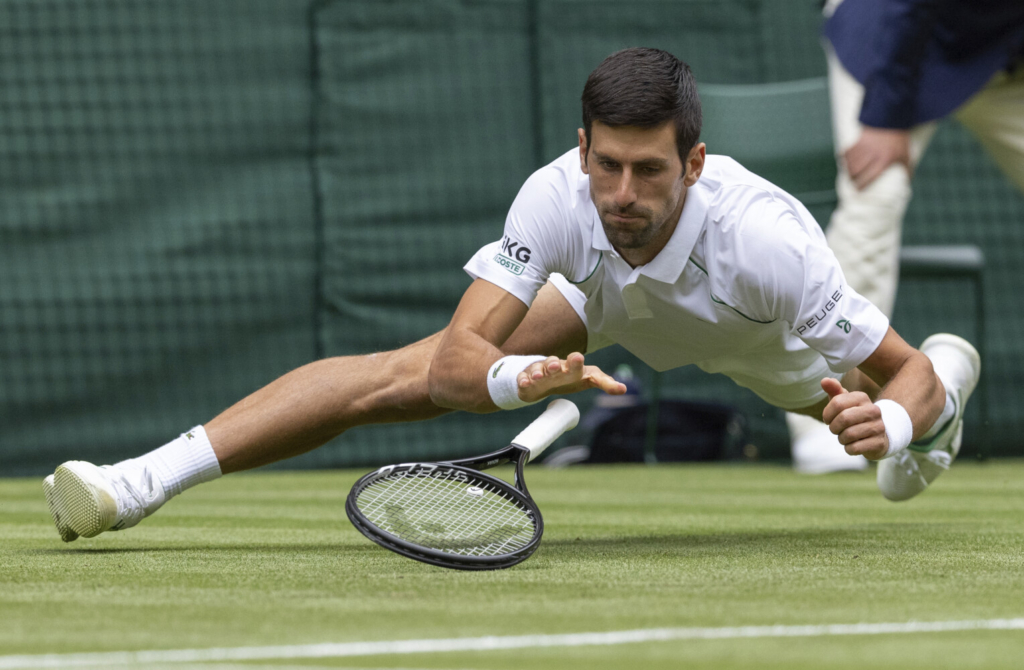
x: 637, y: 182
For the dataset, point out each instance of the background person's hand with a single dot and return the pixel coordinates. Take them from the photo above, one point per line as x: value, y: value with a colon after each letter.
x: 554, y: 376
x: 876, y: 150
x: 856, y: 420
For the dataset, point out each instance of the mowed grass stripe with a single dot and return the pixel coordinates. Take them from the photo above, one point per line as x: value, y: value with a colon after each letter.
x: 492, y: 643
x: 270, y: 560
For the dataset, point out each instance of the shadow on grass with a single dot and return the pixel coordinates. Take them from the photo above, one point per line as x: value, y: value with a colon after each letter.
x: 248, y: 548
x: 862, y: 538
x: 808, y: 538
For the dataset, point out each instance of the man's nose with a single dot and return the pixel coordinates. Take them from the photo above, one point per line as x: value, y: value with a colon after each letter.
x: 625, y: 194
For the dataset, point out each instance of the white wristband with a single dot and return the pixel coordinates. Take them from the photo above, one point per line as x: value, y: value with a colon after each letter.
x: 501, y: 380
x: 898, y: 426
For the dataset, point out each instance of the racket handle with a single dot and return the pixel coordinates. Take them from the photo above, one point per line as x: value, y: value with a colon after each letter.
x: 560, y: 416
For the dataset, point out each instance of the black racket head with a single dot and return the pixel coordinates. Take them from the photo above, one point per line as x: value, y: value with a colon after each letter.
x: 446, y: 515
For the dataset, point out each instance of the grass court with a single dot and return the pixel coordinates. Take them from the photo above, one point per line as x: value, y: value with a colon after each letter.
x: 270, y: 559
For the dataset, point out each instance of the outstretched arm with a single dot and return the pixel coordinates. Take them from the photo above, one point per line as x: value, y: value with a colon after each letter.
x: 485, y: 318
x: 905, y: 376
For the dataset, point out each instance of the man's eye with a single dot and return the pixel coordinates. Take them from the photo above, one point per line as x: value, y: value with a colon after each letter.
x: 650, y: 171
x: 609, y: 165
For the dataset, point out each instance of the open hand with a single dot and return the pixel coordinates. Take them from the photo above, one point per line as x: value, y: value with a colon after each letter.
x: 856, y: 420
x: 556, y: 376
x: 876, y: 150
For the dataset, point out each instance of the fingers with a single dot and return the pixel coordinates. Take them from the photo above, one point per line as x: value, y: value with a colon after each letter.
x: 600, y: 379
x: 554, y: 375
x: 873, y: 449
x: 843, y: 401
x: 575, y: 364
x: 832, y: 387
x: 865, y: 166
x: 869, y: 173
x: 539, y: 372
x: 853, y: 415
x: 551, y: 365
x: 860, y: 428
x: 874, y: 152
x: 855, y: 420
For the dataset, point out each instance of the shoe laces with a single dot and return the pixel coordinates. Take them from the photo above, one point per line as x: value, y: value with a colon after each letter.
x: 905, y: 461
x: 939, y: 457
x: 136, y: 489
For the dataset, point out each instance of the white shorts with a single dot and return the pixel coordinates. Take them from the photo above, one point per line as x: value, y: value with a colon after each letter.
x: 792, y: 383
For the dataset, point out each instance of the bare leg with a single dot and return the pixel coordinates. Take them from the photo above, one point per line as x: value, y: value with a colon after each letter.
x: 317, y: 402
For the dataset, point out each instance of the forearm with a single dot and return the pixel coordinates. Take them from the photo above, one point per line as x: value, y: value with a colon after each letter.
x: 484, y: 320
x: 918, y: 390
x: 458, y: 372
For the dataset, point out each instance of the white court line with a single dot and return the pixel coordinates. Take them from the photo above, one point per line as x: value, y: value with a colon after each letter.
x: 261, y: 666
x: 342, y: 649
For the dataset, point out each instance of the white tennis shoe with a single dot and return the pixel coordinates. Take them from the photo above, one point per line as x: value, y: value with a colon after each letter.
x: 86, y: 500
x: 958, y: 366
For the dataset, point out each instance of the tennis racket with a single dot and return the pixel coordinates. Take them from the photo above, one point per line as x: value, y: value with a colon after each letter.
x: 454, y: 515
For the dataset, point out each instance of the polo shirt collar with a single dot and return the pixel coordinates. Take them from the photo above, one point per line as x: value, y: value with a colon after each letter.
x: 670, y: 261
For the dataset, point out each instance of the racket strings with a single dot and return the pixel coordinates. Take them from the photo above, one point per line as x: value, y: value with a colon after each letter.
x: 448, y: 523
x: 456, y: 516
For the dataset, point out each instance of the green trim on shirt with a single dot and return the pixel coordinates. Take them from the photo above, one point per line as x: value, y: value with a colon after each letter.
x: 714, y: 299
x: 599, y: 259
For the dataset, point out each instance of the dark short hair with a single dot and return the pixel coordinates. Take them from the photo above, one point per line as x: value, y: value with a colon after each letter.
x: 645, y: 88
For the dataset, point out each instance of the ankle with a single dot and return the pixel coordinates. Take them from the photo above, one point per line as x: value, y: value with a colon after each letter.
x: 947, y: 415
x: 182, y: 463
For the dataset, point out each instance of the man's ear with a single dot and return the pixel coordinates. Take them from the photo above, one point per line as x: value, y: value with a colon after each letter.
x: 694, y: 164
x: 583, y: 150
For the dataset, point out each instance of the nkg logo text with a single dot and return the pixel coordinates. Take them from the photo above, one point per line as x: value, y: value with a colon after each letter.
x: 513, y: 256
x: 515, y: 250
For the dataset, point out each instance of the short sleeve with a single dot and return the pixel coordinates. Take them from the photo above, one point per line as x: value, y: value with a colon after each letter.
x: 832, y: 318
x: 790, y: 274
x: 536, y: 241
x: 811, y: 294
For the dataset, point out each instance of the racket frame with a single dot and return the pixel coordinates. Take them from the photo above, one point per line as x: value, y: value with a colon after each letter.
x: 474, y: 468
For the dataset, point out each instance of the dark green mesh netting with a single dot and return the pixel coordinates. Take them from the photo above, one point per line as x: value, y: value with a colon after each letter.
x: 199, y: 195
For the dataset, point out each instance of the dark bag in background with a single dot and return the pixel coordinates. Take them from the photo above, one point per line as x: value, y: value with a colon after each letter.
x: 687, y: 431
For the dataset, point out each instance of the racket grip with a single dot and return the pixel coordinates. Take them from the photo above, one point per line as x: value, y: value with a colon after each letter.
x: 560, y: 416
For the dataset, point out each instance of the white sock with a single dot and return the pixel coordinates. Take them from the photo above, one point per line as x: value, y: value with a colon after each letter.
x: 948, y: 412
x: 181, y: 463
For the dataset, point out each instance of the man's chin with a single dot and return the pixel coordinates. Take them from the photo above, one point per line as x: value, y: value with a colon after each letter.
x: 624, y: 238
x: 628, y: 241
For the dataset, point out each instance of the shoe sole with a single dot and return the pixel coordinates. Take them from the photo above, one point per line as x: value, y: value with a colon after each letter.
x: 66, y: 534
x: 80, y: 502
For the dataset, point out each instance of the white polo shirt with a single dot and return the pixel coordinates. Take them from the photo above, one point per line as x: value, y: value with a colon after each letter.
x: 746, y: 286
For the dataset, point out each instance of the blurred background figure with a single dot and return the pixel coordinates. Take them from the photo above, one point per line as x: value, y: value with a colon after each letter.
x: 896, y: 68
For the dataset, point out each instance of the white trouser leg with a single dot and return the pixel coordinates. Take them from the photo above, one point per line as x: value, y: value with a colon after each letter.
x: 865, y: 229
x: 864, y: 234
x: 995, y: 115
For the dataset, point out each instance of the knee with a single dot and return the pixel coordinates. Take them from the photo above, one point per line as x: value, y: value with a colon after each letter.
x: 889, y: 193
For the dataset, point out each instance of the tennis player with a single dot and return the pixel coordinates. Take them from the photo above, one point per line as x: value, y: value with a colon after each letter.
x: 638, y: 238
